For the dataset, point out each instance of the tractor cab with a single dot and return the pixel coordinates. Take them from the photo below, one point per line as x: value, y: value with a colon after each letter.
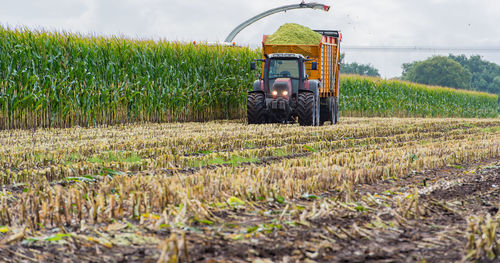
x: 283, y: 68
x: 279, y: 69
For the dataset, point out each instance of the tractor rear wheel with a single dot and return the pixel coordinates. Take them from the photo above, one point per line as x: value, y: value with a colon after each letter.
x: 306, y: 109
x: 255, y: 108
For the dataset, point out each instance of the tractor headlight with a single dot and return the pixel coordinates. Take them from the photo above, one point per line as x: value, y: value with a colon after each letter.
x: 285, y: 93
x: 274, y: 92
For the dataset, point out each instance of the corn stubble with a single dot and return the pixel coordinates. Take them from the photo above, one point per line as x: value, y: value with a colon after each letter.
x: 173, y: 176
x: 66, y: 177
x: 482, y: 242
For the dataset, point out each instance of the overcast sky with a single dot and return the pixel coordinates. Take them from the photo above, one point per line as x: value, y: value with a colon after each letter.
x: 446, y: 23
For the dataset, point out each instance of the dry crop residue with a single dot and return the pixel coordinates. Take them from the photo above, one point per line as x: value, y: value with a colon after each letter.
x: 368, y: 189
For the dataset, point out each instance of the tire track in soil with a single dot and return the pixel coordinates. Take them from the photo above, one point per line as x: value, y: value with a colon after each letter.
x: 439, y: 237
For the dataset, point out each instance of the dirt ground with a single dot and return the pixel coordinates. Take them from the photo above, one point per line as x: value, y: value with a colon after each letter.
x: 424, y: 217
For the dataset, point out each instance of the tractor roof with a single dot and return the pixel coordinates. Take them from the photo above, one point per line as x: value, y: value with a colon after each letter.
x: 285, y: 55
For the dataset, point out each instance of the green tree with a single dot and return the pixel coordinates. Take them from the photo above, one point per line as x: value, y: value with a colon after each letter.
x: 484, y: 73
x: 496, y: 86
x: 438, y: 70
x: 359, y: 69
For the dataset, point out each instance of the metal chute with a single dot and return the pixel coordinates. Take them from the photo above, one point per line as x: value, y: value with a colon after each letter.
x: 250, y: 21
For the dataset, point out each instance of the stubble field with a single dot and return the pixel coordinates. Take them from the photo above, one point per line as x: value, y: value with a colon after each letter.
x: 368, y: 189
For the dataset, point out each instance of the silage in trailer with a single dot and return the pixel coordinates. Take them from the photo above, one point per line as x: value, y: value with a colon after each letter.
x: 294, y: 34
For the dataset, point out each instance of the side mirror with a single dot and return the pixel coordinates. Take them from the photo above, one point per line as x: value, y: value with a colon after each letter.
x: 252, y: 65
x: 314, y: 66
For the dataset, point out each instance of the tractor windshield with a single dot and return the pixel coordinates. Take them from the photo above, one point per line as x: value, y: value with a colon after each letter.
x: 284, y: 68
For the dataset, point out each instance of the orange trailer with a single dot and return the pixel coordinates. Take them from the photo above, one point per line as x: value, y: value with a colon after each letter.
x: 326, y: 54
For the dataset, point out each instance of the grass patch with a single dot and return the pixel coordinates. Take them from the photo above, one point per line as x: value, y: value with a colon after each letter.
x: 424, y: 142
x: 280, y: 153
x: 114, y: 157
x: 490, y: 130
x: 250, y: 145
x: 73, y: 158
x: 311, y: 148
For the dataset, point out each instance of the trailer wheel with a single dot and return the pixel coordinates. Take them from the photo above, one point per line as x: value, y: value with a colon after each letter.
x: 326, y: 111
x: 333, y: 110
x: 317, y: 109
x: 255, y: 108
x: 330, y: 114
x: 335, y: 118
x: 306, y: 109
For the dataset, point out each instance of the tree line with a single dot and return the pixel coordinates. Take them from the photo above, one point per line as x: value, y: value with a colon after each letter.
x: 356, y: 68
x: 455, y: 71
x: 472, y: 73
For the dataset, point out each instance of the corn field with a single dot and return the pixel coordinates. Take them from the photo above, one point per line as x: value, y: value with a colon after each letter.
x: 368, y: 96
x: 62, y: 80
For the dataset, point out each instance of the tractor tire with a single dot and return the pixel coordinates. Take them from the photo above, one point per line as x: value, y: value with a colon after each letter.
x: 335, y: 118
x: 306, y: 109
x: 256, y: 108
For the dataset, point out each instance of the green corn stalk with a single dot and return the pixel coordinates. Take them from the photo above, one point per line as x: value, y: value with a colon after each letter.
x: 62, y: 79
x: 366, y: 96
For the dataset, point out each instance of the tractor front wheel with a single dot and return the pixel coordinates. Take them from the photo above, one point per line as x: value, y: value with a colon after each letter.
x: 306, y: 109
x: 256, y: 108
